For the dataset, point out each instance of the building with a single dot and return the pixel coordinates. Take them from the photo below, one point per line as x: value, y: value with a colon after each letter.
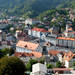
x: 72, y: 14
x: 39, y: 69
x: 28, y: 47
x: 17, y: 33
x: 38, y: 32
x: 65, y: 42
x: 54, y: 30
x: 5, y: 44
x: 69, y: 59
x: 61, y: 71
x: 31, y: 21
x: 52, y: 57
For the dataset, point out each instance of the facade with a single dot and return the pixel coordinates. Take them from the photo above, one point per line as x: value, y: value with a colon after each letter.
x: 54, y: 30
x: 69, y: 59
x: 31, y: 21
x: 28, y: 47
x: 5, y: 44
x: 65, y: 42
x: 72, y: 14
x: 39, y: 69
x: 38, y: 32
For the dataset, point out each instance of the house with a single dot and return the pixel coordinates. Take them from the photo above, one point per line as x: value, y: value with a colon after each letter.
x: 52, y: 57
x: 38, y: 32
x: 5, y: 44
x: 61, y: 71
x: 31, y: 21
x: 72, y: 14
x: 65, y: 42
x: 39, y: 69
x: 17, y: 33
x: 28, y: 47
x: 54, y: 30
x: 69, y: 59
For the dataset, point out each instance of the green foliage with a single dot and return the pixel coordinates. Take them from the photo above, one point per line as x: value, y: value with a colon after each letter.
x: 74, y: 63
x: 49, y: 65
x: 11, y: 66
x: 27, y: 7
x: 6, y: 51
x: 58, y: 64
x: 30, y: 63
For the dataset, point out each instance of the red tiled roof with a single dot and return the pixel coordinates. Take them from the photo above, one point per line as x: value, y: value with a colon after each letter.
x: 20, y: 54
x: 65, y: 38
x: 69, y: 56
x: 61, y: 69
x: 27, y: 45
x: 37, y: 54
x: 39, y: 30
x: 53, y: 52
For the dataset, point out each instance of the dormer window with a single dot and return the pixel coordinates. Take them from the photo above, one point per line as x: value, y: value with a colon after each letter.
x: 25, y: 46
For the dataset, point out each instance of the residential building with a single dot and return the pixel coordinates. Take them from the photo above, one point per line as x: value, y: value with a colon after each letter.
x: 66, y: 42
x: 28, y: 47
x: 69, y: 59
x: 52, y: 57
x: 5, y: 44
x: 31, y: 21
x: 72, y: 14
x: 54, y: 30
x: 38, y: 32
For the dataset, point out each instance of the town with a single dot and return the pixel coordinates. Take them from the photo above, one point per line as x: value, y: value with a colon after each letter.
x: 47, y: 46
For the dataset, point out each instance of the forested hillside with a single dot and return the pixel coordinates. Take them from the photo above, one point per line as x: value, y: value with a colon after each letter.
x: 19, y: 7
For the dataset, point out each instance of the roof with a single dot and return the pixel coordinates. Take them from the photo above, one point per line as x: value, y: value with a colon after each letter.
x: 27, y: 45
x: 18, y: 31
x: 69, y: 56
x: 72, y: 32
x: 65, y: 38
x: 53, y: 52
x: 20, y: 54
x: 39, y: 30
x: 70, y: 29
x: 61, y: 69
x: 22, y: 35
x: 37, y: 54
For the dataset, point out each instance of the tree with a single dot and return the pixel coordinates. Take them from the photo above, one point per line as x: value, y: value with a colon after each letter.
x: 11, y: 66
x: 74, y: 63
x: 30, y: 63
x: 58, y: 64
x: 49, y: 65
x: 6, y: 51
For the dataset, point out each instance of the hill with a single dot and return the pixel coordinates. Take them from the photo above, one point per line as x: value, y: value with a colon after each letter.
x: 28, y: 7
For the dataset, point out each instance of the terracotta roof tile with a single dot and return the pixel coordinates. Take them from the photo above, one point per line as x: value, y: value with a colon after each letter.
x: 65, y: 38
x: 37, y: 54
x: 69, y: 56
x: 39, y: 30
x: 20, y: 54
x: 53, y: 52
x: 27, y: 45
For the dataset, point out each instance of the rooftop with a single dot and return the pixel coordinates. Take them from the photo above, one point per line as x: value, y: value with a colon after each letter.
x: 65, y: 38
x: 39, y: 30
x: 27, y: 45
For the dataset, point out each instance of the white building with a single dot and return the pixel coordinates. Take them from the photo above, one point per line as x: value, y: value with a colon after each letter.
x: 39, y: 69
x: 28, y: 47
x: 31, y: 21
x: 38, y: 32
